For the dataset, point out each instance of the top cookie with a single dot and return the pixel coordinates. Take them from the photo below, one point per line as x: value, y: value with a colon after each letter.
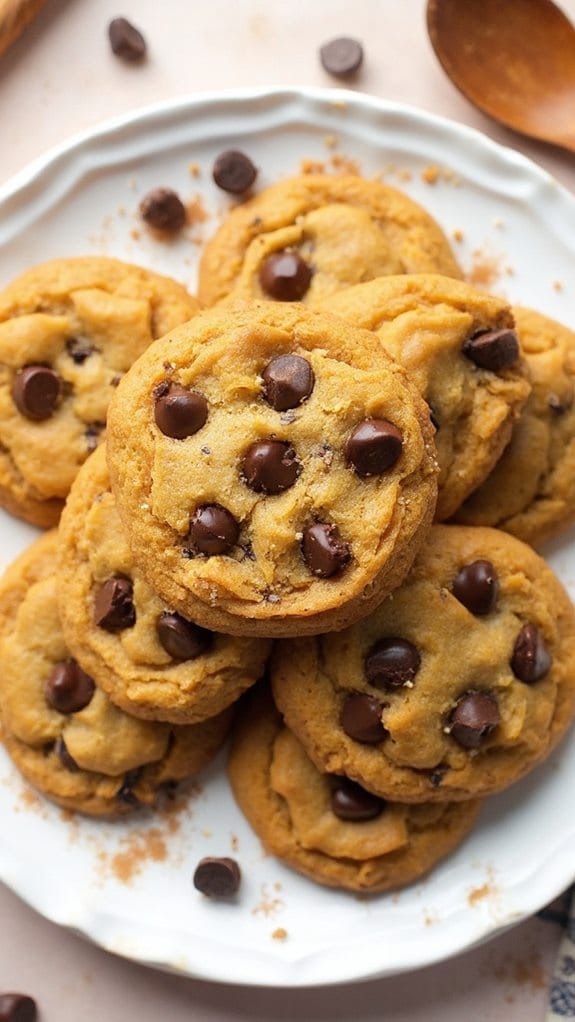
x: 311, y: 236
x: 69, y: 330
x: 273, y: 468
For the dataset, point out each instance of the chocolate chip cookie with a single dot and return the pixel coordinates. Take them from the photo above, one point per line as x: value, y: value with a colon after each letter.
x: 151, y: 661
x: 274, y: 469
x: 456, y: 686
x: 69, y: 330
x: 327, y: 826
x: 62, y: 732
x: 460, y: 348
x: 308, y: 237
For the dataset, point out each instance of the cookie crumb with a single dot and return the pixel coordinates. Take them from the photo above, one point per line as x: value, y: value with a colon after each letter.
x: 312, y: 167
x: 498, y: 223
x: 558, y: 285
x: 194, y: 169
x: 479, y: 893
x: 341, y: 164
x: 280, y: 934
x: 330, y: 141
x: 430, y: 174
x: 458, y: 234
x: 196, y: 212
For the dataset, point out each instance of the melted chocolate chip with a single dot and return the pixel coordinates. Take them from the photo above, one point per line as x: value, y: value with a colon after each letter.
x: 361, y: 718
x: 493, y: 349
x: 531, y: 660
x: 474, y: 718
x: 163, y: 210
x: 476, y: 586
x: 234, y: 172
x: 17, y: 1008
x: 178, y: 412
x: 270, y: 466
x: 349, y: 801
x: 373, y: 447
x: 285, y: 276
x: 213, y: 530
x: 181, y: 638
x: 64, y: 756
x: 36, y: 391
x: 68, y: 688
x: 114, y: 606
x: 323, y: 549
x: 288, y: 380
x: 126, y: 41
x: 391, y: 663
x: 217, y: 878
x: 341, y: 57
x: 79, y: 349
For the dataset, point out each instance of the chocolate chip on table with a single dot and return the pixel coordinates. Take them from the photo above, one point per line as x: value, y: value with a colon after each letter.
x: 474, y: 718
x: 285, y: 276
x: 64, y: 756
x: 341, y: 57
x: 163, y: 210
x: 323, y: 549
x: 217, y: 878
x: 179, y: 413
x: 270, y: 466
x: 17, y: 1008
x: 234, y: 172
x: 493, y: 349
x: 181, y: 638
x: 68, y: 688
x: 361, y: 718
x: 126, y: 41
x: 288, y: 380
x: 531, y: 659
x: 476, y: 586
x: 114, y: 605
x: 391, y: 663
x: 351, y: 802
x: 373, y: 447
x: 213, y: 530
x: 79, y: 349
x: 36, y: 391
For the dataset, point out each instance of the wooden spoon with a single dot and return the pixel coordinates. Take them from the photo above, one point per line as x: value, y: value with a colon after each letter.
x: 514, y: 59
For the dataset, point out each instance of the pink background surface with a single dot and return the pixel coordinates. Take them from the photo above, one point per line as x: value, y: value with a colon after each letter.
x: 58, y: 79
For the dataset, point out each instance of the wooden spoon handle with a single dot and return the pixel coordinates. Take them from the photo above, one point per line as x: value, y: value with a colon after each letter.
x: 15, y: 15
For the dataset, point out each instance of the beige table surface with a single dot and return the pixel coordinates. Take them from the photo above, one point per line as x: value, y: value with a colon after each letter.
x: 58, y: 79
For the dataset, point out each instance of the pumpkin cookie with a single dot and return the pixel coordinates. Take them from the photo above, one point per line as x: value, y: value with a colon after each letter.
x: 273, y: 468
x: 311, y: 236
x: 69, y: 330
x: 456, y: 686
x: 460, y: 349
x: 326, y: 826
x: 150, y: 661
x: 62, y: 732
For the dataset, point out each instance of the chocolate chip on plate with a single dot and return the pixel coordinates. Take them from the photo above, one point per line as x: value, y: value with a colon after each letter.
x: 341, y: 57
x: 391, y: 663
x: 213, y: 530
x: 476, y: 586
x: 234, y: 172
x: 285, y: 276
x: 17, y: 1008
x: 126, y: 41
x: 361, y: 718
x: 323, y: 549
x: 493, y: 349
x: 288, y: 380
x: 181, y: 638
x: 179, y: 413
x: 373, y: 447
x: 114, y: 605
x: 36, y: 391
x: 270, y: 466
x: 474, y: 718
x: 351, y: 802
x: 217, y: 878
x: 64, y: 756
x: 531, y: 659
x: 163, y: 210
x: 68, y: 688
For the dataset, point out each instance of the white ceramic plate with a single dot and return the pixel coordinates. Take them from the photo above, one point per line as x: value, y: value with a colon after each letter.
x: 128, y: 887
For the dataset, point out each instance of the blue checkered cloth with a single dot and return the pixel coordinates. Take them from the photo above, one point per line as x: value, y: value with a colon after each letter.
x: 562, y: 992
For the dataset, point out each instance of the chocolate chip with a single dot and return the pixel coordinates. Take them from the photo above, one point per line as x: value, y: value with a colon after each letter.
x: 17, y: 1008
x: 341, y: 57
x: 217, y: 878
x: 178, y: 412
x: 288, y: 380
x: 213, y: 530
x: 68, y: 688
x: 234, y: 172
x: 181, y: 638
x: 476, y: 586
x: 285, y: 276
x: 323, y: 549
x: 79, y: 349
x: 391, y: 663
x: 114, y: 605
x: 474, y: 718
x: 64, y: 756
x: 349, y: 801
x: 557, y: 405
x: 93, y: 432
x: 126, y: 793
x: 373, y: 447
x: 36, y: 391
x: 531, y: 660
x: 270, y: 466
x: 126, y: 41
x: 436, y: 777
x: 361, y: 718
x: 163, y: 210
x: 493, y: 349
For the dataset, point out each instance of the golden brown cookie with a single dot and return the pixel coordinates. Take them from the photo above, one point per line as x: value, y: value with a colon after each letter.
x: 456, y: 686
x: 311, y: 236
x: 326, y: 826
x: 69, y: 330
x: 531, y: 491
x: 273, y: 468
x: 150, y: 661
x: 459, y: 347
x: 62, y: 732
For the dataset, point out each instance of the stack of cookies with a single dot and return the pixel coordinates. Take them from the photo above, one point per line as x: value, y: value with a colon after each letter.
x: 265, y: 510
